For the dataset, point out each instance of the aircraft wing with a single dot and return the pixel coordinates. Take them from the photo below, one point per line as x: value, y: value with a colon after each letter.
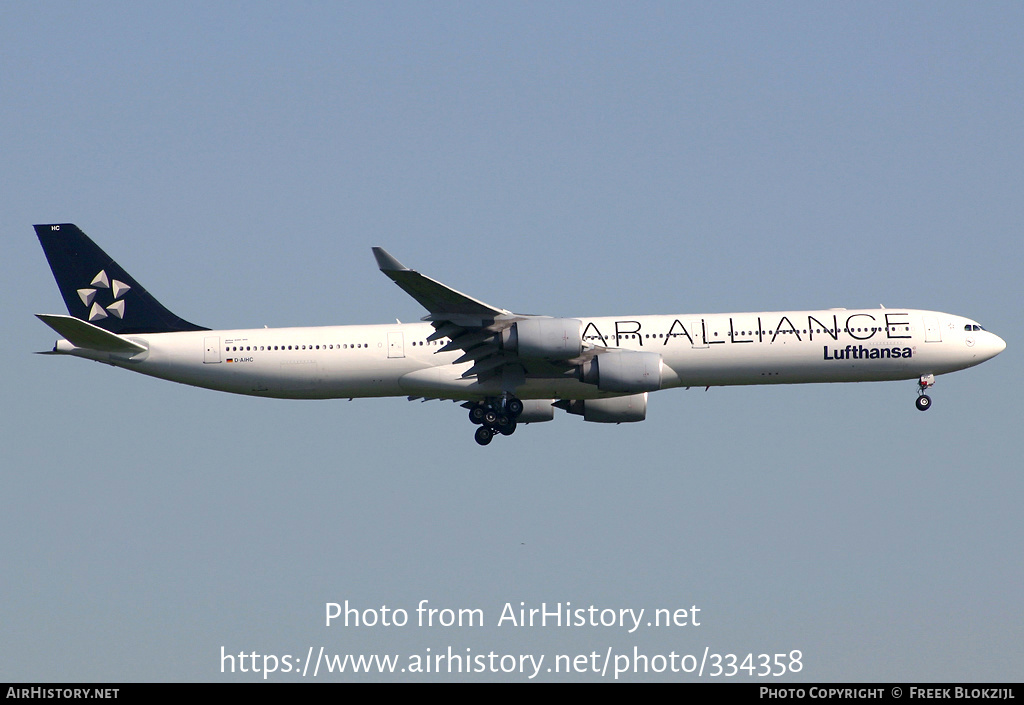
x: 434, y: 296
x: 469, y: 324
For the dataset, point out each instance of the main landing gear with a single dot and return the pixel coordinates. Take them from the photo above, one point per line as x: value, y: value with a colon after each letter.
x: 924, y: 402
x: 495, y: 415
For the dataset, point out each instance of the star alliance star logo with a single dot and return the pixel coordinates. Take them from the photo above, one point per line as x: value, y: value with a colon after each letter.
x: 89, y: 295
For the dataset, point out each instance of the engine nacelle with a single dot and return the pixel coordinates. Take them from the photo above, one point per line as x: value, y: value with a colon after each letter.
x: 546, y: 338
x: 624, y: 371
x: 616, y: 410
x: 536, y: 411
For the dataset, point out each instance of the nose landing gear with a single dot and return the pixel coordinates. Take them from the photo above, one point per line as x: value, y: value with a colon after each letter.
x: 924, y: 402
x: 495, y: 415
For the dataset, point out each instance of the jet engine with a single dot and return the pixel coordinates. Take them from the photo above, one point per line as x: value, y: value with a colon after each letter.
x: 536, y: 411
x: 615, y: 410
x: 546, y: 338
x: 624, y: 371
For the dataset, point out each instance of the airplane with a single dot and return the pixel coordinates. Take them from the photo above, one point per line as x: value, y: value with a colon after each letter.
x: 507, y: 369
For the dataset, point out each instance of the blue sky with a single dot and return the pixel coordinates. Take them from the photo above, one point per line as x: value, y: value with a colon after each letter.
x: 240, y: 159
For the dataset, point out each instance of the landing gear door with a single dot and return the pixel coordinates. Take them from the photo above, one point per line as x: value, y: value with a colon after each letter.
x: 212, y: 345
x: 932, y: 332
x: 396, y: 345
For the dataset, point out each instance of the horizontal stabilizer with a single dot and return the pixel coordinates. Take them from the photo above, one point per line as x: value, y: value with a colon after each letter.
x: 83, y: 334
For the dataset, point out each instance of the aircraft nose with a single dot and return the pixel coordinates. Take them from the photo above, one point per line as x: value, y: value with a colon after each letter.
x: 993, y: 345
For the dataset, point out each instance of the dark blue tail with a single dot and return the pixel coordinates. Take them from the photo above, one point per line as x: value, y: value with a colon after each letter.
x: 96, y: 289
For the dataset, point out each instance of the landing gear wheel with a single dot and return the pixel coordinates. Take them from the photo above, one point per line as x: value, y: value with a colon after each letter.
x: 924, y: 402
x: 507, y: 430
x: 483, y: 435
x: 514, y: 407
x: 490, y: 417
x: 476, y: 414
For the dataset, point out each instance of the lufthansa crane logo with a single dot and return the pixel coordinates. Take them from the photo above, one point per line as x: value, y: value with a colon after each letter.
x: 97, y: 291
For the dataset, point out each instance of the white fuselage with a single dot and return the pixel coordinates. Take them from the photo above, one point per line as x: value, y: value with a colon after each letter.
x: 784, y: 347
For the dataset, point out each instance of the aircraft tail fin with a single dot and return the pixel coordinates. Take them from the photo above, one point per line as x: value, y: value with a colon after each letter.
x: 96, y: 289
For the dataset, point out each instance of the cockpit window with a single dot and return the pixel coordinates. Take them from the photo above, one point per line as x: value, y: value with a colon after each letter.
x: 973, y: 326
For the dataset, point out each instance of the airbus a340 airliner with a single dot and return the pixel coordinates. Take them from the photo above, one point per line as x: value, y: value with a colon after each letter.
x: 507, y: 368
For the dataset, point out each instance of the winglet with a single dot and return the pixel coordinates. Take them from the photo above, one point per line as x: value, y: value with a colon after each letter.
x: 386, y: 262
